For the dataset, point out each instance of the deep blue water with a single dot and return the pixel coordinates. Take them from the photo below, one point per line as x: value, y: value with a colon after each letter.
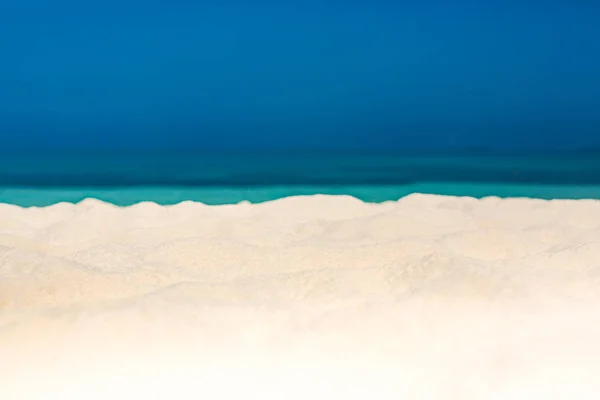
x: 168, y: 178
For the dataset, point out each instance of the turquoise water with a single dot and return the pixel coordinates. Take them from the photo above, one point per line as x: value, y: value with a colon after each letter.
x: 124, y: 179
x: 223, y: 195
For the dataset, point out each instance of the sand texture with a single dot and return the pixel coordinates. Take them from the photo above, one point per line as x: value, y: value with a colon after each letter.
x: 315, y: 297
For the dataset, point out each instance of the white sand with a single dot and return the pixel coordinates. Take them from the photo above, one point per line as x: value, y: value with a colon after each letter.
x: 302, y: 298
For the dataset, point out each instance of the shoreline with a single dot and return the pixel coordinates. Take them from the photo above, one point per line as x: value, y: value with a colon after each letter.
x: 257, y: 195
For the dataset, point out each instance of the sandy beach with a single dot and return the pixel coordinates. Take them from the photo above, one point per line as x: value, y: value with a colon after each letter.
x: 428, y: 297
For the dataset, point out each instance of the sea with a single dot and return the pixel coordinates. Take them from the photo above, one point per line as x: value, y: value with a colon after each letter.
x: 169, y: 177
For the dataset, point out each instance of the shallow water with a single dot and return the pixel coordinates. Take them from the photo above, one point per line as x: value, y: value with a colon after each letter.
x: 169, y: 178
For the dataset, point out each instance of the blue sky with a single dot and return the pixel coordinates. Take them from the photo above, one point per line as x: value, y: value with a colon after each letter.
x: 312, y: 74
